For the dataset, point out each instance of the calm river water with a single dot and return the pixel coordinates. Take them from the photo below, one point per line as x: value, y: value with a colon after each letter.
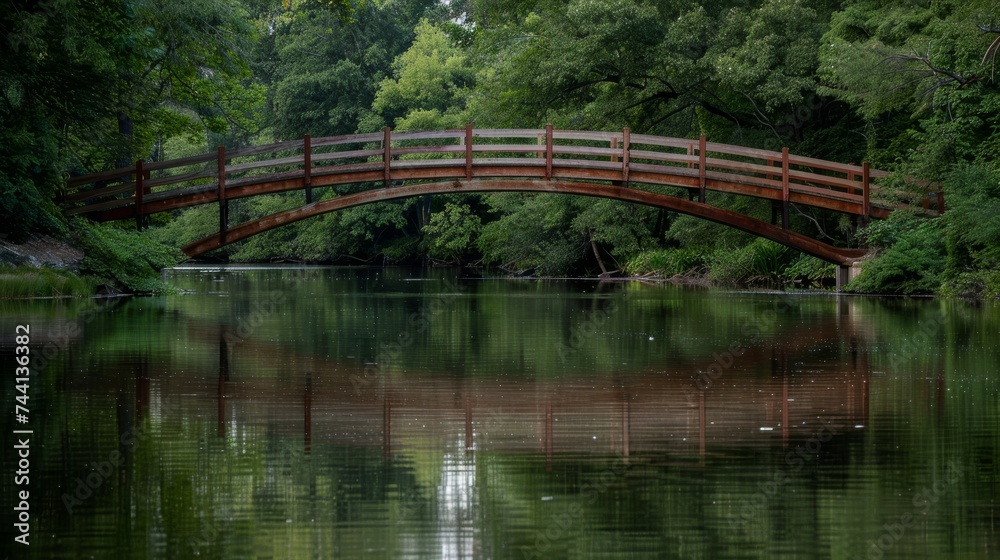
x: 392, y: 413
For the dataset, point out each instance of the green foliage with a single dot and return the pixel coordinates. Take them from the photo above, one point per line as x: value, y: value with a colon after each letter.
x: 451, y: 234
x: 667, y: 262
x: 123, y: 259
x: 27, y: 282
x: 532, y: 234
x: 430, y: 79
x: 914, y: 263
x: 760, y: 264
x: 810, y: 270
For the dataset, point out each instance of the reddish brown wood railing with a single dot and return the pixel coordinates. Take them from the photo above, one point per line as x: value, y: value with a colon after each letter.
x: 624, y: 159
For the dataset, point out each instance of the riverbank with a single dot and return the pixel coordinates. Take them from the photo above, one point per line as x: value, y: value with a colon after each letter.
x: 91, y: 259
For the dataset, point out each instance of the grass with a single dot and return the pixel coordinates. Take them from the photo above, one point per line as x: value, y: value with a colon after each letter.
x: 27, y: 282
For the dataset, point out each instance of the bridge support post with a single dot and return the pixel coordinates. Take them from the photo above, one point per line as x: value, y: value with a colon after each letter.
x: 865, y: 183
x: 307, y: 167
x: 701, y: 169
x: 784, y: 188
x: 843, y: 277
x: 846, y: 273
x: 626, y: 148
x: 139, y: 192
x: 223, y: 203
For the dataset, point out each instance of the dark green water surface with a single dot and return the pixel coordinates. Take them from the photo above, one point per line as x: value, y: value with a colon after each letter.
x: 392, y: 413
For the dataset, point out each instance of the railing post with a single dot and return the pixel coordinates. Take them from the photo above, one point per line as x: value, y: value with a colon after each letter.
x: 865, y: 187
x: 548, y: 151
x: 701, y: 169
x: 307, y: 167
x: 468, y: 151
x: 386, y: 158
x: 614, y: 157
x: 626, y: 142
x: 139, y: 191
x: 784, y: 187
x: 223, y: 203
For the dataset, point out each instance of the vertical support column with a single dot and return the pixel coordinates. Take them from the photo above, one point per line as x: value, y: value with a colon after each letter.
x: 626, y: 148
x: 701, y: 169
x: 548, y: 151
x: 843, y: 276
x: 468, y: 151
x: 223, y: 203
x: 865, y: 187
x: 307, y: 167
x: 784, y: 187
x: 139, y: 191
x: 386, y: 159
x: 614, y: 157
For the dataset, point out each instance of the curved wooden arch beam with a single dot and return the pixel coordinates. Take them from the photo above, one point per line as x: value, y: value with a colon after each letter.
x: 798, y: 241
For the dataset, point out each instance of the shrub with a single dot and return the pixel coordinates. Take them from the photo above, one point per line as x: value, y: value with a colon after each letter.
x: 123, y: 259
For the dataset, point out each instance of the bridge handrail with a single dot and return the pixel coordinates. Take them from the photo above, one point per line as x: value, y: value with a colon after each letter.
x: 589, y: 155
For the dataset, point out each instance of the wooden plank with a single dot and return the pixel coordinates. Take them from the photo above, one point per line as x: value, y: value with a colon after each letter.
x: 649, y: 169
x: 826, y: 193
x: 741, y: 151
x: 120, y: 173
x: 827, y: 180
x: 101, y: 206
x: 101, y: 193
x: 742, y: 166
x: 648, y: 140
x: 174, y: 179
x: 266, y: 148
x: 744, y: 179
x: 825, y: 165
x: 583, y: 135
x: 514, y: 148
x: 330, y: 156
x: 585, y: 151
x: 689, y: 159
x: 508, y: 133
x: 401, y: 151
x: 180, y: 162
x: 436, y: 162
x: 431, y: 134
x: 240, y: 167
x: 346, y: 139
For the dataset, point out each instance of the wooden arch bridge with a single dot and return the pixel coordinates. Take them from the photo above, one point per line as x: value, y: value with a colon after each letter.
x: 615, y: 165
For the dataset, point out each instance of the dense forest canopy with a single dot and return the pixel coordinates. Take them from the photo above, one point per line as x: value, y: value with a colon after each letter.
x: 909, y: 86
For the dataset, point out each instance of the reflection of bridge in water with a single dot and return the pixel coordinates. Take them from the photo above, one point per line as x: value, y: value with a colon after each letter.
x: 769, y: 395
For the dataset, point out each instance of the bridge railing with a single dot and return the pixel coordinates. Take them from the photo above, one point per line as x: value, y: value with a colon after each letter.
x: 629, y: 160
